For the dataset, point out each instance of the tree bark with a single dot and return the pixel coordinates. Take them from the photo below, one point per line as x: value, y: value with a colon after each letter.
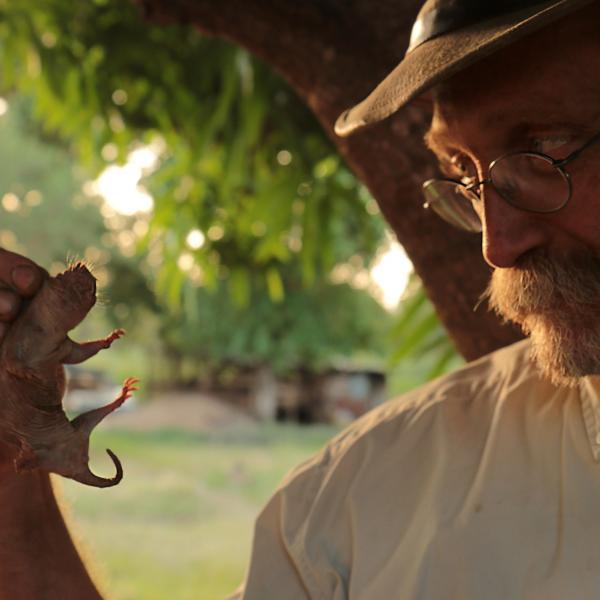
x: 333, y: 52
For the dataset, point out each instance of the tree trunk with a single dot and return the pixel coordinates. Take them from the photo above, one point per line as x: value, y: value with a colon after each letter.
x: 333, y: 52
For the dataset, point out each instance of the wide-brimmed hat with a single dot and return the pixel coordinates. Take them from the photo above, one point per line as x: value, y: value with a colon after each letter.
x: 448, y: 36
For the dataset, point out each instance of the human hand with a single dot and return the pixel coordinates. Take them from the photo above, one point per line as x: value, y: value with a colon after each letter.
x: 20, y: 278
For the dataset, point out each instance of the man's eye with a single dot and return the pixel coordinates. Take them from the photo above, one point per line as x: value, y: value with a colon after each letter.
x: 553, y: 146
x: 462, y: 166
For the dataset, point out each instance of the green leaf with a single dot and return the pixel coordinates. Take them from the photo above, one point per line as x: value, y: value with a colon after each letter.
x: 275, y: 285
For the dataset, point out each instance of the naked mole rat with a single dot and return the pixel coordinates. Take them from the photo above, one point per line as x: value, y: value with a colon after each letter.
x: 32, y: 380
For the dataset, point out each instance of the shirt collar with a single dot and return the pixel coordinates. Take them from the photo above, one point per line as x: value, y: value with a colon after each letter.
x: 590, y: 406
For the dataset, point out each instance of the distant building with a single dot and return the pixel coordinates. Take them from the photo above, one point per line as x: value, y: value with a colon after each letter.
x: 338, y: 395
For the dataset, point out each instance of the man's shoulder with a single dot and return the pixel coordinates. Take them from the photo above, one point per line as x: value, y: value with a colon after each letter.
x: 409, y: 461
x: 454, y: 405
x: 473, y: 390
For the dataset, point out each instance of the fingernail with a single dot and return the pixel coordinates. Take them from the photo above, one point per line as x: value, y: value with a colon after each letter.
x: 24, y: 277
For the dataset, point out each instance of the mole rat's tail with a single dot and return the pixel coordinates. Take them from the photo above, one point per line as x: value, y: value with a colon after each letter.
x: 89, y: 478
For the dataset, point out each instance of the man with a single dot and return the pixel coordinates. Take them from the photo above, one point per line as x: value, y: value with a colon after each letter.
x: 484, y: 484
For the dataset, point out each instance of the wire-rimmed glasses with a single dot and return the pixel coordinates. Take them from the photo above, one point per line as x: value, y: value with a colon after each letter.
x: 530, y: 181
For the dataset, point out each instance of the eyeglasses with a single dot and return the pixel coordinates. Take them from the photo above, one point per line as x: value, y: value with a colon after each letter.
x: 530, y: 181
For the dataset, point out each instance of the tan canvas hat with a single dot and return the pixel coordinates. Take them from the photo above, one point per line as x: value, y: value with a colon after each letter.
x: 448, y: 36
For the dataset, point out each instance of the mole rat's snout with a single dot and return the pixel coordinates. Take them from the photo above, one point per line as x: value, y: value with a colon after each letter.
x: 69, y: 296
x: 78, y: 283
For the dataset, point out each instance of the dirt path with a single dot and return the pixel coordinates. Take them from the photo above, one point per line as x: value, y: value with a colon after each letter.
x: 188, y: 411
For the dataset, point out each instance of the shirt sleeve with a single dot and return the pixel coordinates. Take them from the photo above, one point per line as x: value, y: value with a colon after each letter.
x: 278, y: 568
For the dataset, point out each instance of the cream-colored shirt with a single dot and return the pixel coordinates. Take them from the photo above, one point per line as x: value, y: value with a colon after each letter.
x: 483, y: 485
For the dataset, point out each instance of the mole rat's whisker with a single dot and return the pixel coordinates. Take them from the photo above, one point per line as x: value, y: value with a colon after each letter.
x: 72, y: 258
x: 90, y: 264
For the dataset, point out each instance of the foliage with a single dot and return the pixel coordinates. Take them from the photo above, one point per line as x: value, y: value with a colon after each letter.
x: 421, y: 347
x: 241, y: 159
x: 39, y: 186
x: 418, y: 333
x: 308, y: 330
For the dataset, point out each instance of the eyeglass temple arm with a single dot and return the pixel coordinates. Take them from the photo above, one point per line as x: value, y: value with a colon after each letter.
x: 470, y: 187
x: 576, y: 153
x: 476, y: 184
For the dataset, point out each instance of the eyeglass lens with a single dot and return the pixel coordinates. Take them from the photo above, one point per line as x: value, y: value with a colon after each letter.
x: 453, y: 202
x: 530, y: 182
x: 525, y: 180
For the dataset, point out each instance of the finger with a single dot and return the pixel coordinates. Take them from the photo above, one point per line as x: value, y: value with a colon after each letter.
x: 9, y: 305
x: 20, y: 273
x: 27, y: 279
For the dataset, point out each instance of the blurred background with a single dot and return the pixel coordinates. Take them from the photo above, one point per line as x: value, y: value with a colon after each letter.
x: 266, y: 303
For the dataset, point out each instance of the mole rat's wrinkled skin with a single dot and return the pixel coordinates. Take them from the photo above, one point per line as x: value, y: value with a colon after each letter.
x: 32, y: 380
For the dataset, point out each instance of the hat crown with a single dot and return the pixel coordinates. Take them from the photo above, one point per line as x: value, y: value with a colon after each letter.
x: 437, y: 17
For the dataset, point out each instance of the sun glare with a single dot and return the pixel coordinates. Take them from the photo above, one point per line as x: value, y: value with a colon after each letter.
x: 195, y: 239
x: 119, y: 186
x: 391, y: 273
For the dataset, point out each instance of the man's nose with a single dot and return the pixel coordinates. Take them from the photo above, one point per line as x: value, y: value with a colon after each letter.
x: 508, y: 232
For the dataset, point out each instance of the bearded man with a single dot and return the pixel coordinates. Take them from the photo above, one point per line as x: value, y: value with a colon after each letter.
x: 484, y: 484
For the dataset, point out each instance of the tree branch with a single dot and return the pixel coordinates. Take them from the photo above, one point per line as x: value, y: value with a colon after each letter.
x: 333, y: 52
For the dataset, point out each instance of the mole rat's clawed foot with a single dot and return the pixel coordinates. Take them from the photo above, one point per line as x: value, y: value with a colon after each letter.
x: 85, y: 423
x: 115, y: 335
x: 129, y: 386
x: 79, y: 352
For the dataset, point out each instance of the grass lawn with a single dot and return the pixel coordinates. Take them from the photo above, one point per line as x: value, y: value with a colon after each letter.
x: 179, y: 525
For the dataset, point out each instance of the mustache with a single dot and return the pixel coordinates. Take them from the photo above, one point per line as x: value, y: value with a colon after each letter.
x: 543, y: 283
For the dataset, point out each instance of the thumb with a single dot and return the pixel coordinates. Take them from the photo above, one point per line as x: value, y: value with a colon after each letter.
x: 20, y: 273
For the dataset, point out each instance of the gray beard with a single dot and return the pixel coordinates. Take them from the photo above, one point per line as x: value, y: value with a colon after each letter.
x: 556, y: 302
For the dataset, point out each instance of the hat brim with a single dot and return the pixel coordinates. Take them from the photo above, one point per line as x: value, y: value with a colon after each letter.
x: 441, y: 57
